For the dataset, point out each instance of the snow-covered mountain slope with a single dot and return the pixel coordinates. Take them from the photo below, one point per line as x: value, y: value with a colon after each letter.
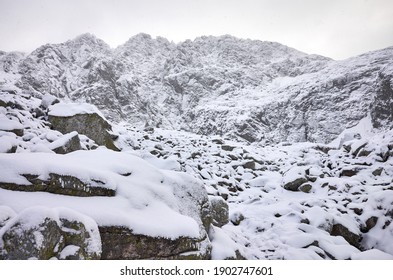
x: 286, y: 201
x: 287, y: 155
x: 251, y: 90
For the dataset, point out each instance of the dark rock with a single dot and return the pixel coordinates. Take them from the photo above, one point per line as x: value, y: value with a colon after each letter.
x: 70, y: 143
x: 237, y: 218
x: 227, y: 148
x: 60, y: 184
x: 306, y: 188
x: 219, y: 211
x: 378, y: 171
x: 350, y: 237
x: 119, y: 243
x: 370, y: 223
x: 295, y: 184
x: 218, y: 141
x: 91, y: 125
x: 363, y: 153
x: 49, y: 235
x: 249, y: 165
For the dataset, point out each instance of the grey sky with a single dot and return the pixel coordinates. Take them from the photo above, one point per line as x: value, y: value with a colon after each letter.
x: 334, y: 28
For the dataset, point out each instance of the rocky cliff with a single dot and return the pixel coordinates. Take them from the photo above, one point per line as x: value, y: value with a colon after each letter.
x: 243, y: 89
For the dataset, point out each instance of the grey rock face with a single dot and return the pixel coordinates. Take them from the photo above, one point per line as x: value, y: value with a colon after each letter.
x: 40, y: 233
x: 199, y: 84
x: 60, y: 184
x: 120, y: 243
x: 91, y: 125
x: 219, y: 211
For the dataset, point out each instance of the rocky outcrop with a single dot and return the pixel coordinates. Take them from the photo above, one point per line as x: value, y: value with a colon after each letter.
x: 42, y: 233
x: 87, y: 122
x: 60, y: 184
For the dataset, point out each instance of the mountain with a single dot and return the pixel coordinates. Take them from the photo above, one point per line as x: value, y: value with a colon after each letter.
x: 162, y: 168
x: 248, y: 90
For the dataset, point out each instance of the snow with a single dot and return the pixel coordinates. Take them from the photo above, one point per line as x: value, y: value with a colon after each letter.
x: 72, y: 109
x: 8, y: 125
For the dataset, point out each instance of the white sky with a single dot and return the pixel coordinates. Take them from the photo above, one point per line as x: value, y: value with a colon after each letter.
x: 334, y: 28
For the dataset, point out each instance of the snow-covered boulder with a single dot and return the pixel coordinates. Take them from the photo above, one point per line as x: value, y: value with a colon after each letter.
x: 150, y: 213
x: 43, y: 233
x: 85, y: 119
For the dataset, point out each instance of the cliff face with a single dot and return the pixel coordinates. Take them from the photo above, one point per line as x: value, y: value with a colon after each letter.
x: 243, y: 89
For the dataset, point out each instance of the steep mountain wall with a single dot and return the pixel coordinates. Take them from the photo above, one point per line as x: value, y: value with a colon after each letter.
x: 242, y: 89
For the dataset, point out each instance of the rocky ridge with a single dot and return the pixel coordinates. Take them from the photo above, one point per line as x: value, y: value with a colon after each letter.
x: 243, y: 89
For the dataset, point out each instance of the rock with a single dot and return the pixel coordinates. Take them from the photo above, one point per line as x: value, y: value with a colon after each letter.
x: 306, y: 188
x: 66, y: 144
x: 378, y: 171
x: 363, y: 153
x: 219, y: 211
x: 6, y: 214
x: 249, y: 165
x: 359, y: 146
x: 25, y: 239
x: 13, y: 126
x: 60, y: 184
x: 294, y: 178
x: 349, y: 171
x: 349, y: 236
x: 86, y: 122
x: 218, y: 141
x: 227, y: 148
x: 43, y: 233
x: 370, y: 223
x: 237, y: 218
x: 119, y: 243
x: 48, y: 100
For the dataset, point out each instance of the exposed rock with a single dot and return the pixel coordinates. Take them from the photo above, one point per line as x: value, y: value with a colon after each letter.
x: 237, y: 218
x: 60, y: 184
x: 42, y: 233
x: 249, y: 165
x: 349, y: 236
x: 306, y: 188
x: 219, y: 211
x: 120, y: 243
x: 294, y: 178
x: 228, y: 148
x: 90, y: 124
x: 66, y: 144
x: 370, y: 223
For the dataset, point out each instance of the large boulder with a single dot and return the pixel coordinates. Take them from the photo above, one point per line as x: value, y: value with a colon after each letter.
x: 43, y: 233
x: 121, y: 243
x: 168, y: 211
x: 83, y: 118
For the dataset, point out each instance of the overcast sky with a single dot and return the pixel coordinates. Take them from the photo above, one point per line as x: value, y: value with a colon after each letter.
x: 334, y: 28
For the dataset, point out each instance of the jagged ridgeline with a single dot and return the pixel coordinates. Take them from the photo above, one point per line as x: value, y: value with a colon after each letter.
x: 243, y: 89
x: 156, y: 150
